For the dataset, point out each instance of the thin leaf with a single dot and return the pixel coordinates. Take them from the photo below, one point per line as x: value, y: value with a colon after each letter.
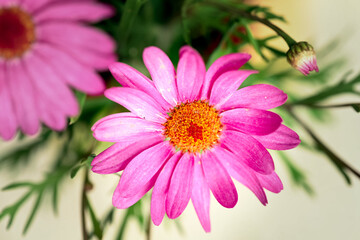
x: 95, y: 222
x: 17, y: 185
x: 33, y: 212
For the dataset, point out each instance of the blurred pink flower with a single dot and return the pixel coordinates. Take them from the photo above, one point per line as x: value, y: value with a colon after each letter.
x: 189, y: 132
x: 45, y: 48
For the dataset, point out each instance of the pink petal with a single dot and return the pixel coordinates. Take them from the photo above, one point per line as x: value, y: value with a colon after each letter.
x: 130, y: 77
x: 219, y: 180
x: 259, y: 96
x: 161, y: 186
x: 200, y: 196
x: 226, y: 85
x: 69, y: 35
x: 180, y: 187
x: 162, y: 73
x: 271, y: 182
x: 113, y: 116
x: 282, y: 139
x: 117, y: 157
x: 248, y: 150
x: 74, y: 11
x: 8, y: 123
x: 251, y: 121
x: 242, y: 173
x: 142, y: 168
x: 32, y: 5
x: 76, y: 75
x: 121, y: 128
x: 23, y: 97
x: 137, y: 102
x: 190, y: 74
x: 223, y: 64
x: 122, y: 202
x: 50, y: 86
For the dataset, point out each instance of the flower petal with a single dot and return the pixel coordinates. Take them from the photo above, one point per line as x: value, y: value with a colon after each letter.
x: 190, y: 74
x: 251, y: 121
x: 112, y: 116
x: 117, y: 157
x: 122, y: 128
x: 200, y: 196
x: 248, y: 150
x: 226, y: 84
x: 219, y: 180
x: 223, y: 64
x: 271, y: 182
x: 162, y: 73
x: 242, y: 173
x: 8, y: 122
x: 282, y: 139
x: 130, y: 77
x: 180, y: 186
x: 160, y: 190
x: 76, y: 75
x: 23, y: 97
x: 50, y: 86
x: 137, y: 102
x: 32, y: 5
x: 142, y: 168
x: 74, y: 11
x: 259, y: 96
x: 122, y: 202
x: 69, y: 35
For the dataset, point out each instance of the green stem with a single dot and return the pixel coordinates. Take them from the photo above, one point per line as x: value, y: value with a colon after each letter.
x: 242, y: 13
x: 331, y: 106
x: 83, y: 208
x: 148, y: 229
x: 339, y: 163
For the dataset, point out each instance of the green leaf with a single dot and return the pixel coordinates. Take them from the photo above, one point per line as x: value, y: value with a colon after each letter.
x: 252, y: 40
x: 95, y: 222
x: 33, y: 212
x: 297, y: 176
x: 17, y: 185
x: 356, y: 107
x: 86, y: 162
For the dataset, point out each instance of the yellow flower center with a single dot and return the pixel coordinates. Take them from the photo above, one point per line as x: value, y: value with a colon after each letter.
x: 17, y: 32
x: 193, y: 126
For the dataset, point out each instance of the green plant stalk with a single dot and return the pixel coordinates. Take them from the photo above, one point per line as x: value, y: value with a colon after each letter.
x: 244, y: 14
x: 339, y: 163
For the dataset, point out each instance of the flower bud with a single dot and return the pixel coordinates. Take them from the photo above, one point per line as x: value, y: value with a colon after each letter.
x: 302, y: 57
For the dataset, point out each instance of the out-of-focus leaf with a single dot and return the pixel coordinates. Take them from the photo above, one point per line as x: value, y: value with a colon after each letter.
x: 86, y: 162
x: 252, y: 40
x: 18, y: 185
x: 33, y: 212
x: 94, y: 220
x: 356, y: 107
x: 297, y: 176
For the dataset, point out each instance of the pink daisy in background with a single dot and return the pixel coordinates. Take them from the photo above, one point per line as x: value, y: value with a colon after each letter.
x: 45, y: 50
x: 191, y: 131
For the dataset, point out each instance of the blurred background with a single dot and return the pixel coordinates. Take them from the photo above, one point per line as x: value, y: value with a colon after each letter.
x: 332, y: 212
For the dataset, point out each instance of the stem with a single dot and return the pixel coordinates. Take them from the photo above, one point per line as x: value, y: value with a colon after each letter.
x: 148, y: 229
x: 340, y: 164
x: 289, y: 40
x: 331, y: 106
x: 83, y: 208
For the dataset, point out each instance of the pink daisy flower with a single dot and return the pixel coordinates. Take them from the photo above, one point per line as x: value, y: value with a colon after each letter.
x: 45, y: 50
x: 189, y: 132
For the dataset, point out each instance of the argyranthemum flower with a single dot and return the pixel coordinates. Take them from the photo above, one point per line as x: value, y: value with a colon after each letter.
x: 45, y: 48
x: 189, y: 132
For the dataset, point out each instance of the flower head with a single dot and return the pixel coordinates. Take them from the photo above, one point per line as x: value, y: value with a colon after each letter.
x: 45, y: 49
x: 188, y: 132
x: 302, y: 57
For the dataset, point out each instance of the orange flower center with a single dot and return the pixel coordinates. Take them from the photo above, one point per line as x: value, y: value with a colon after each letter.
x: 17, y: 32
x: 193, y: 126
